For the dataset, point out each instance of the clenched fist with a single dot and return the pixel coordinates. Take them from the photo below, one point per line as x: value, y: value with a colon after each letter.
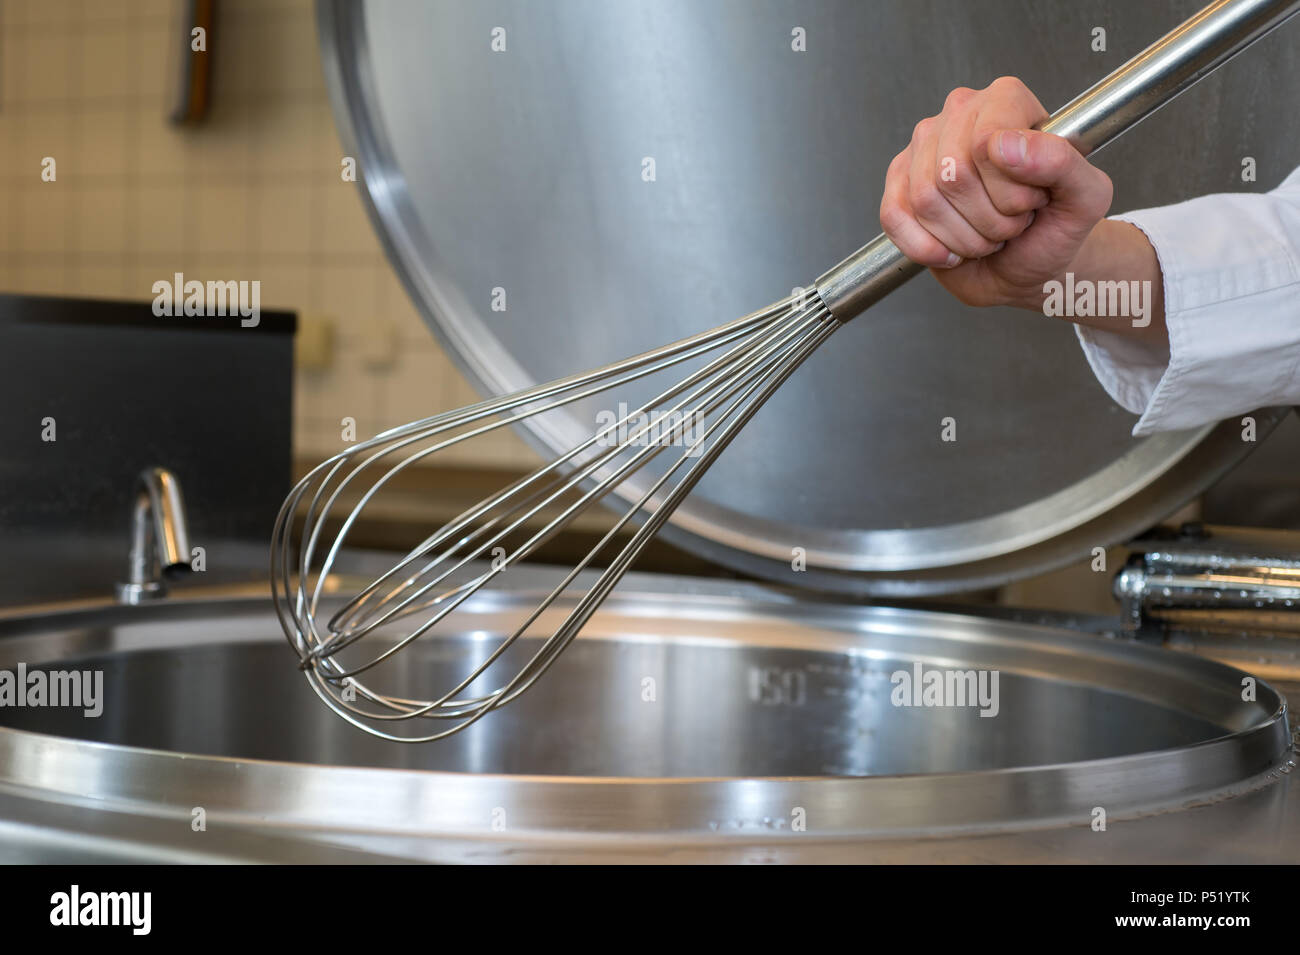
x: 994, y: 208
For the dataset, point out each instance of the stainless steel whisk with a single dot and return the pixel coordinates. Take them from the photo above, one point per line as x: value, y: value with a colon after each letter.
x: 691, y: 423
x: 687, y: 425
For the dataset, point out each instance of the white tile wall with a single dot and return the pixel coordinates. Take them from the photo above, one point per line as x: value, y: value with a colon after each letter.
x: 254, y: 193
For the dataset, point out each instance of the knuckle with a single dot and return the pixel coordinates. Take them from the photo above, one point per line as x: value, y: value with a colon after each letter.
x: 1008, y: 84
x: 922, y: 129
x: 1005, y: 207
x: 927, y: 200
x: 975, y: 248
x: 892, y: 217
x: 958, y: 97
x: 1005, y: 228
x: 982, y: 140
x: 1058, y: 158
x: 954, y: 177
x: 1014, y: 202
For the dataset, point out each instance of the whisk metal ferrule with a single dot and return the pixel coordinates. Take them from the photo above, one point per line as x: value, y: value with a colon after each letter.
x: 864, y: 278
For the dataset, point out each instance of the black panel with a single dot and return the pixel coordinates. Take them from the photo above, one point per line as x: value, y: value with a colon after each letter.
x: 205, y: 397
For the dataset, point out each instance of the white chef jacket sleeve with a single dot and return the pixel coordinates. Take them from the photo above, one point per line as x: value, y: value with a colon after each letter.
x: 1231, y: 267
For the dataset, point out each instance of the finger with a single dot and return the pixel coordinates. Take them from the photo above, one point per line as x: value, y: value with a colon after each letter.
x: 900, y: 225
x: 1042, y: 160
x: 962, y: 183
x: 931, y: 207
x: 1009, y: 196
x: 1009, y: 105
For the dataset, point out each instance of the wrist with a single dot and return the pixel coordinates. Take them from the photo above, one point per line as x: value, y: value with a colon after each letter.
x: 1097, y: 254
x: 1114, y: 251
x: 1120, y: 252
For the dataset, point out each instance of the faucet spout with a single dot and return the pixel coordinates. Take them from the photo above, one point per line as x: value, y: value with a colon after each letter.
x: 160, y: 538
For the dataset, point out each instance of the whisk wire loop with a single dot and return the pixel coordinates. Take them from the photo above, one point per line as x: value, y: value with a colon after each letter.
x: 696, y: 417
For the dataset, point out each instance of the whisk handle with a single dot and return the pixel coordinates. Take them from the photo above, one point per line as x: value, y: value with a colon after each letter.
x: 1116, y: 104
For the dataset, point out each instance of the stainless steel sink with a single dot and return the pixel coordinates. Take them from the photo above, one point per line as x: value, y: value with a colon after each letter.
x: 689, y: 720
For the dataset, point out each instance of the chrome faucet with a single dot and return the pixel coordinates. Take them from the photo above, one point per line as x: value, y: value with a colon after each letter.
x: 160, y: 538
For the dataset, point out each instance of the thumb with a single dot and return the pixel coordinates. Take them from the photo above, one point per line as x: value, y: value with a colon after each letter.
x: 1050, y: 162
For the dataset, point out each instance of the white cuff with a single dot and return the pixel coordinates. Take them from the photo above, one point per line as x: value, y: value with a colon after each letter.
x: 1232, y: 307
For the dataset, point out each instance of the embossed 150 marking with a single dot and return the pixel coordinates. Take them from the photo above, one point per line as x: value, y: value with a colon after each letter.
x: 778, y: 686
